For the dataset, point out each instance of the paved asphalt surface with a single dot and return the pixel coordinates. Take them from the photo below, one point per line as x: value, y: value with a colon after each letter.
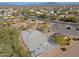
x: 37, y: 42
x: 62, y: 28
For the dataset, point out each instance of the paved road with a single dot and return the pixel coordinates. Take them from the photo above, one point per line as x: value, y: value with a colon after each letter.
x: 61, y: 28
x: 37, y: 42
x: 62, y: 22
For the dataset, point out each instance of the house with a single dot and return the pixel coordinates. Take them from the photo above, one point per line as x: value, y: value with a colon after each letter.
x: 37, y: 12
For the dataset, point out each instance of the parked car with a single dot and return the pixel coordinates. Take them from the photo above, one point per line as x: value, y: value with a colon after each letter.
x: 77, y: 28
x: 78, y: 39
x: 68, y: 27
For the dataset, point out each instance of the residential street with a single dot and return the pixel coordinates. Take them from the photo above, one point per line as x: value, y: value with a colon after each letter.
x: 62, y: 28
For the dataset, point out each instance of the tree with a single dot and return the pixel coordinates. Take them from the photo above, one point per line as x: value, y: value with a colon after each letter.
x: 43, y: 27
x: 23, y: 52
x: 69, y: 19
x: 2, y: 12
x: 8, y: 23
x: 61, y: 40
x: 23, y: 18
x: 27, y: 12
x: 17, y: 13
x: 55, y: 11
x: 44, y: 16
x: 9, y: 43
x: 73, y: 12
x: 61, y: 13
x: 54, y: 17
x: 1, y: 17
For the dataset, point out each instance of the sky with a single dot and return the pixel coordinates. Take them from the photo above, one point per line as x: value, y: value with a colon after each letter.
x: 39, y: 0
x: 22, y: 2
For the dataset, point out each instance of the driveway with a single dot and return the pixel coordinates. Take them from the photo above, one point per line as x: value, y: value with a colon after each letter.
x: 37, y: 42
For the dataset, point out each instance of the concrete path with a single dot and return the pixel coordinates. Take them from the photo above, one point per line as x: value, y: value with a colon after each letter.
x: 37, y: 42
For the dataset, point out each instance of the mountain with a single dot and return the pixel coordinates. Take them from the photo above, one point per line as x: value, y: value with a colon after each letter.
x: 37, y: 3
x: 61, y: 3
x: 20, y: 3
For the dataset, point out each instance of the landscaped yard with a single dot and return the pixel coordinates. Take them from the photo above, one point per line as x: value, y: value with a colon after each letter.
x: 9, y: 43
x: 62, y: 40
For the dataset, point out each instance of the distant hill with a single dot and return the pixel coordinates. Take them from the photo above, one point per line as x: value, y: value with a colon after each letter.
x: 60, y: 3
x: 37, y: 3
